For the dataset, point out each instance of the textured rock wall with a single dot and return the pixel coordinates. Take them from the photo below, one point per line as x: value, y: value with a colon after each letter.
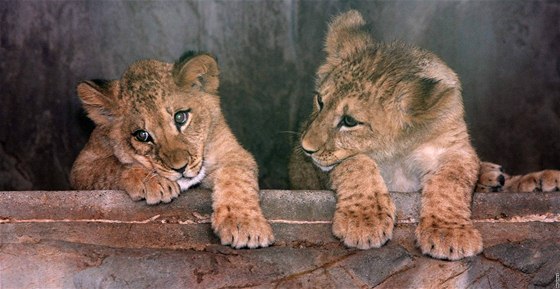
x: 506, y: 53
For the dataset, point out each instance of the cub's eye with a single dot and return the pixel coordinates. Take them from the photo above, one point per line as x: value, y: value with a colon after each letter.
x: 142, y: 135
x: 320, y: 103
x: 348, y: 121
x: 181, y: 117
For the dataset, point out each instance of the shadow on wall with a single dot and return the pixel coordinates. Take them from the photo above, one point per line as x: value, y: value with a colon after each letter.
x: 505, y: 53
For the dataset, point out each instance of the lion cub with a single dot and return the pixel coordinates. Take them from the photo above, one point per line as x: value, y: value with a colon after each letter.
x: 160, y: 130
x: 493, y: 179
x: 389, y: 117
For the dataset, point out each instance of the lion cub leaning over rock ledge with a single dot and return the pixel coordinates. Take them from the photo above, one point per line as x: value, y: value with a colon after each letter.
x: 389, y: 117
x: 159, y: 130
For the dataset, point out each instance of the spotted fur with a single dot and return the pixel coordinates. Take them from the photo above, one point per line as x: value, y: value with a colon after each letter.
x: 186, y: 142
x: 389, y: 117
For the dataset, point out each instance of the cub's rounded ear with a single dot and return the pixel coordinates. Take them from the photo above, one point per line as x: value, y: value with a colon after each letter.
x: 347, y: 35
x: 199, y: 71
x: 98, y: 98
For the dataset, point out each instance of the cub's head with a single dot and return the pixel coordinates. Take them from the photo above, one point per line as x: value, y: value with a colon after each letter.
x: 375, y: 98
x: 158, y: 114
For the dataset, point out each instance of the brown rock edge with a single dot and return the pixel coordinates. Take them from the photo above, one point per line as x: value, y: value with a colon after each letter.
x: 101, y: 239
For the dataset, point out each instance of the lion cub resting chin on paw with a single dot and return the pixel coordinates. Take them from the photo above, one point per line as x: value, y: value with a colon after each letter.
x: 389, y: 117
x: 159, y: 130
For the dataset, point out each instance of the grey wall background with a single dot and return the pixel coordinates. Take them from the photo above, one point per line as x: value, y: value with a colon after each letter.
x: 506, y: 53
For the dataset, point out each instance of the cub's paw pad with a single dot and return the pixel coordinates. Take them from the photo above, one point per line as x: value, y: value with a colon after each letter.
x: 448, y: 242
x: 362, y: 227
x: 141, y: 184
x: 242, y: 228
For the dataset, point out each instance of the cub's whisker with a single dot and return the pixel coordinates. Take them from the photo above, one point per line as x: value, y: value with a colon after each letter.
x: 290, y: 132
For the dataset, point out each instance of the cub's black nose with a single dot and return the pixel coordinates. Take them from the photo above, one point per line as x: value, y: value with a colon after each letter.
x: 501, y: 180
x: 181, y: 170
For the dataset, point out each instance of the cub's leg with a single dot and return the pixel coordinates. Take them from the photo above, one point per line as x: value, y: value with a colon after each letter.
x: 445, y: 229
x: 137, y: 181
x: 365, y: 214
x: 237, y: 218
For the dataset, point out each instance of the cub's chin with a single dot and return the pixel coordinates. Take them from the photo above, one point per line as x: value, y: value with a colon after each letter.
x: 185, y: 182
x: 325, y: 169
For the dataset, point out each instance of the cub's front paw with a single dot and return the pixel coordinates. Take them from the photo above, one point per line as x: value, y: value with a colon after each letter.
x: 240, y: 227
x: 142, y: 184
x: 550, y: 181
x: 543, y: 181
x: 364, y: 226
x: 448, y: 242
x: 491, y: 178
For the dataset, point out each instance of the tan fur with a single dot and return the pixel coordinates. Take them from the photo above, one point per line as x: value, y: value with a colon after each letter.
x: 389, y: 117
x: 493, y: 179
x: 202, y: 149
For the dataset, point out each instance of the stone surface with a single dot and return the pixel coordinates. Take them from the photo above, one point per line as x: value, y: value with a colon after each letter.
x: 505, y: 52
x: 101, y: 239
x: 540, y: 260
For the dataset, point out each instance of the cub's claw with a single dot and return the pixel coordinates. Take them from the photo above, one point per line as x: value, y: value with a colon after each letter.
x: 448, y: 242
x: 141, y: 184
x: 242, y: 228
x: 362, y: 227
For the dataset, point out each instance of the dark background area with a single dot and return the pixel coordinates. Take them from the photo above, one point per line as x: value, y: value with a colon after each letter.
x: 507, y: 54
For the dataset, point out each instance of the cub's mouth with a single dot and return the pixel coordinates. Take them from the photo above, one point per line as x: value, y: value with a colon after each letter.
x: 324, y: 168
x: 328, y: 160
x: 190, y: 180
x: 186, y: 177
x: 193, y: 170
